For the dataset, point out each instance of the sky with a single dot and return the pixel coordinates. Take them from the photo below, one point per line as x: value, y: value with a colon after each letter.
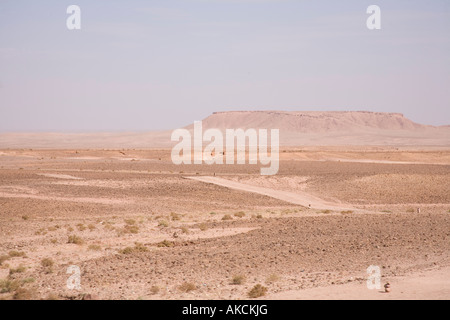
x: 154, y: 65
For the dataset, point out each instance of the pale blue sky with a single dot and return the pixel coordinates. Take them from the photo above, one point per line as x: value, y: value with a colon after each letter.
x: 151, y: 65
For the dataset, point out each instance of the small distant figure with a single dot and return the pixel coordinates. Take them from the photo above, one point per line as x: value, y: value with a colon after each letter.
x: 387, y: 287
x: 418, y: 210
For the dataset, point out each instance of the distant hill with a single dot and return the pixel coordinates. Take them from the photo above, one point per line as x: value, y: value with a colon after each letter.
x: 297, y: 128
x: 334, y: 127
x: 311, y: 121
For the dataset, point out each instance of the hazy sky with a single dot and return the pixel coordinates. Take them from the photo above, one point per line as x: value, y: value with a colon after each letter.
x: 151, y: 65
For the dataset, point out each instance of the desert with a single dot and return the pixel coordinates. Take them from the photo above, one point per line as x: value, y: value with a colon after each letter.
x: 138, y: 226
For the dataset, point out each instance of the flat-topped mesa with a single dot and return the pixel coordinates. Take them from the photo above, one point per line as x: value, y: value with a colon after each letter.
x: 312, y: 121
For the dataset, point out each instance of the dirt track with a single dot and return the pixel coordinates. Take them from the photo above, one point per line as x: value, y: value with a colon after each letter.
x: 298, y: 198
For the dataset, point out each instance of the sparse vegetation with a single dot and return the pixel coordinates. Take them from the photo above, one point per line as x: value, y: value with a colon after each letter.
x: 166, y: 244
x: 127, y: 250
x: 154, y: 290
x: 175, y: 217
x: 25, y: 217
x: 240, y: 214
x: 203, y: 226
x: 138, y: 247
x: 47, y: 263
x: 257, y: 291
x: 14, y: 253
x: 28, y: 280
x: 259, y: 216
x: 238, y: 280
x: 130, y: 221
x: 7, y: 286
x: 81, y: 227
x: 410, y: 210
x: 128, y: 229
x: 326, y: 211
x: 91, y: 227
x: 19, y: 269
x: 187, y: 287
x: 227, y: 217
x: 75, y: 240
x: 346, y: 211
x: 94, y: 247
x: 163, y: 223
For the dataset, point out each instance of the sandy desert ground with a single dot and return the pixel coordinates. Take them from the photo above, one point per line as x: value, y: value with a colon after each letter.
x: 139, y: 227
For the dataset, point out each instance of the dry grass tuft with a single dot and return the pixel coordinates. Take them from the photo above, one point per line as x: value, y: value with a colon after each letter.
x: 75, y: 240
x: 14, y: 253
x: 227, y: 217
x: 240, y: 214
x: 165, y: 244
x: 238, y: 280
x: 257, y: 291
x: 187, y: 287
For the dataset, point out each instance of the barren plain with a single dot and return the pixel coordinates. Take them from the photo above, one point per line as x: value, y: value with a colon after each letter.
x: 139, y: 227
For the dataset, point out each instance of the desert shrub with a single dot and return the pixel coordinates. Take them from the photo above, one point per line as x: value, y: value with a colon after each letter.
x: 94, y: 247
x: 81, y: 227
x: 75, y: 240
x: 19, y: 269
x: 91, y: 227
x: 166, y: 244
x: 257, y: 291
x: 347, y: 212
x: 163, y: 223
x: 238, y: 280
x: 187, y: 287
x: 7, y: 286
x: 227, y: 217
x: 25, y: 217
x: 14, y: 253
x: 28, y: 280
x: 154, y: 290
x: 259, y: 216
x: 138, y: 247
x: 203, y: 226
x: 325, y: 211
x: 240, y: 214
x: 128, y: 229
x: 127, y: 250
x: 130, y: 221
x: 175, y: 217
x: 47, y: 263
x: 410, y: 210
